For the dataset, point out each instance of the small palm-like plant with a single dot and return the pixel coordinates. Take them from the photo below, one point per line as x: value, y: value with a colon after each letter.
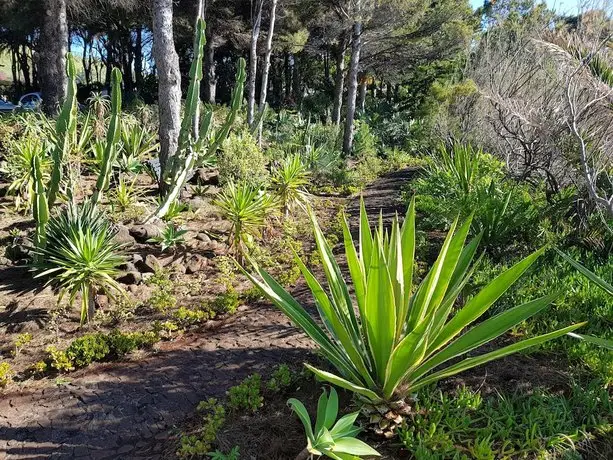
x: 137, y: 143
x: 124, y: 195
x: 289, y: 180
x: 170, y: 237
x: 333, y: 440
x: 18, y: 168
x: 100, y: 106
x: 402, y: 334
x: 80, y: 256
x: 246, y: 207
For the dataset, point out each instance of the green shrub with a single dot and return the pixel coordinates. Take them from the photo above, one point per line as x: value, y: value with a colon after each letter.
x: 242, y: 161
x: 6, y: 374
x: 196, y: 445
x: 87, y: 349
x: 446, y: 425
x: 120, y: 343
x: 59, y: 359
x: 224, y: 303
x: 581, y: 301
x: 22, y: 341
x: 246, y: 396
x: 280, y: 379
x: 187, y: 317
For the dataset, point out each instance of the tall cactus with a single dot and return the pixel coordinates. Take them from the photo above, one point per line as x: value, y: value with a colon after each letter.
x: 65, y: 131
x: 112, y: 139
x: 40, y: 209
x: 193, y: 143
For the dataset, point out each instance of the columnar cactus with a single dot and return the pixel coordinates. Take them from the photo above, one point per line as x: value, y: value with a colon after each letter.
x: 112, y: 139
x: 65, y: 131
x: 192, y: 142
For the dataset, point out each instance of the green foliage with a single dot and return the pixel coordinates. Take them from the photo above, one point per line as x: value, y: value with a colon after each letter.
x: 59, y: 359
x: 21, y: 341
x: 170, y: 237
x: 331, y: 438
x: 289, y: 180
x: 187, y: 317
x: 403, y: 334
x: 136, y: 144
x: 124, y: 195
x: 162, y: 297
x: 246, y: 207
x: 87, y: 349
x: 81, y: 256
x: 234, y: 454
x: 464, y: 181
x: 6, y: 374
x: 242, y: 161
x: 196, y: 445
x: 246, y: 396
x: 280, y: 379
x: 518, y: 425
x: 224, y: 303
x: 582, y: 300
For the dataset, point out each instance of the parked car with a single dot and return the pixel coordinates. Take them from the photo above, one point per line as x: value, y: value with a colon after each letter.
x: 6, y: 106
x: 30, y: 101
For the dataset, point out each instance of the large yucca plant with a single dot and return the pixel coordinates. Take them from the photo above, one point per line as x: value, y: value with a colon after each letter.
x: 80, y: 256
x: 246, y: 207
x: 399, y: 336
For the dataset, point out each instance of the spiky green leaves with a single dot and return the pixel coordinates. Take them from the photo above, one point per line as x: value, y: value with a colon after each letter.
x: 402, y: 334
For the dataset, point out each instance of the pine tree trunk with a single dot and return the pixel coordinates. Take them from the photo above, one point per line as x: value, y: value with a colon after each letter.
x: 253, y: 60
x: 169, y: 87
x: 352, y: 89
x: 54, y: 42
x: 362, y: 94
x: 138, y: 60
x: 339, y: 80
x: 266, y: 67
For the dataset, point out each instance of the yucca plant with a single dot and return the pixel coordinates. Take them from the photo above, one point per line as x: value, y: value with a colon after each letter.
x: 136, y: 144
x: 80, y: 256
x: 289, y: 180
x: 246, y: 207
x: 170, y: 237
x: 331, y: 438
x: 401, y: 335
x: 124, y: 194
x: 461, y: 161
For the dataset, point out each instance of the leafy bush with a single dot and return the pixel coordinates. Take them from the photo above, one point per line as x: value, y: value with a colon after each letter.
x: 87, y: 349
x: 465, y: 181
x: 196, y: 445
x: 224, y: 303
x: 6, y: 374
x: 59, y: 359
x: 403, y: 335
x: 505, y: 426
x: 81, y: 256
x: 242, y: 161
x: 280, y: 379
x: 246, y: 396
x: 187, y: 317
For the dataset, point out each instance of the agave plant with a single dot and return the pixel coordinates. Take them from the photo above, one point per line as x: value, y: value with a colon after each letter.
x: 400, y: 336
x: 137, y: 143
x: 170, y: 237
x: 246, y: 207
x: 333, y: 440
x: 288, y: 182
x: 80, y: 256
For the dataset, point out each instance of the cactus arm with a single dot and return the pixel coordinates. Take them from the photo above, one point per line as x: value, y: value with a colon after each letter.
x: 237, y: 100
x: 65, y: 130
x: 112, y: 138
x: 40, y: 209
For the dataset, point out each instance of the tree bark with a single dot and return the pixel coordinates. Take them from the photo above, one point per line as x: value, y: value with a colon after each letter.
x: 138, y: 60
x: 362, y: 94
x: 54, y: 42
x: 266, y: 67
x: 339, y: 80
x: 352, y: 89
x: 253, y: 59
x: 169, y: 86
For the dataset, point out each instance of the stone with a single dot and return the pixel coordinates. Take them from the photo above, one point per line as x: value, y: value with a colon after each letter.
x: 195, y: 263
x: 123, y: 236
x: 144, y: 232
x: 101, y: 301
x: 130, y: 277
x: 203, y: 237
x: 149, y: 265
x: 206, y: 176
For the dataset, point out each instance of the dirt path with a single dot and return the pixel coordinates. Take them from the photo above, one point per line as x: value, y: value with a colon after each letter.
x: 125, y: 410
